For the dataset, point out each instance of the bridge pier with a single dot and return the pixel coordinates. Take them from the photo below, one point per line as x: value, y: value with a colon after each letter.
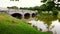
x: 23, y: 17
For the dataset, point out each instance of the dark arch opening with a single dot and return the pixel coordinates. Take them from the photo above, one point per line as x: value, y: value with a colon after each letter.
x: 27, y: 16
x: 17, y: 15
x: 33, y: 15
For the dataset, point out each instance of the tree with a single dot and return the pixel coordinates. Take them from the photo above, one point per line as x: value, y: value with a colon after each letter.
x: 55, y: 12
x: 48, y: 5
x: 36, y: 8
x: 43, y: 7
x: 13, y: 7
x: 43, y: 1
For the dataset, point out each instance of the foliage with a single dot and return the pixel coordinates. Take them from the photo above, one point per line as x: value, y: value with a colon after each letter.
x: 43, y: 1
x: 31, y: 8
x: 48, y: 6
x: 47, y: 19
x: 24, y: 8
x: 43, y: 7
x: 55, y: 12
x: 13, y: 7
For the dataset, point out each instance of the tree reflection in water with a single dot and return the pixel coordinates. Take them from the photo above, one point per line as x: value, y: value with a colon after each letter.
x: 47, y: 19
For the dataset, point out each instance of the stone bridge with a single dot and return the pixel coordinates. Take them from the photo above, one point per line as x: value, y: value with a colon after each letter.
x: 21, y: 14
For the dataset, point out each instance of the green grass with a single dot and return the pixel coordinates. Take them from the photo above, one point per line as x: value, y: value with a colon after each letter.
x: 10, y: 25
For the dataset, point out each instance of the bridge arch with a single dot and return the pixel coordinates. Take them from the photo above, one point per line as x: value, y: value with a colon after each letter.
x: 33, y: 15
x: 17, y: 15
x: 26, y: 15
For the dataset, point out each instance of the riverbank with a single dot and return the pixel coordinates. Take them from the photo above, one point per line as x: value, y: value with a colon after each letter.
x: 11, y: 25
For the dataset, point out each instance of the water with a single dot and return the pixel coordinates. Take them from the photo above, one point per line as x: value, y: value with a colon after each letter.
x: 39, y: 24
x: 54, y: 27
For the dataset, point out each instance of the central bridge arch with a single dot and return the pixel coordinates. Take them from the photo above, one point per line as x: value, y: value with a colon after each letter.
x: 27, y: 16
x: 17, y: 15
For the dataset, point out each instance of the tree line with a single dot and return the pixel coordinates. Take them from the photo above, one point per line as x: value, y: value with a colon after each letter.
x: 48, y: 5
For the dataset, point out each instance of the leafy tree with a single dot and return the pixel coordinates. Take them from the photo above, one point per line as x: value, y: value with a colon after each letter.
x: 13, y: 7
x: 48, y: 6
x: 36, y: 8
x: 43, y: 1
x: 26, y: 8
x: 30, y: 8
x: 55, y: 12
x: 43, y: 7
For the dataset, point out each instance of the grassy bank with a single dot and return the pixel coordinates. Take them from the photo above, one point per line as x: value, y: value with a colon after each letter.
x: 10, y: 25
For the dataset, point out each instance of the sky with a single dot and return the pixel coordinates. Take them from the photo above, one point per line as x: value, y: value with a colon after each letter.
x: 20, y: 3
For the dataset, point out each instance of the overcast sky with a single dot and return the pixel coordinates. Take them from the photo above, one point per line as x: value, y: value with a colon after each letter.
x: 20, y: 3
